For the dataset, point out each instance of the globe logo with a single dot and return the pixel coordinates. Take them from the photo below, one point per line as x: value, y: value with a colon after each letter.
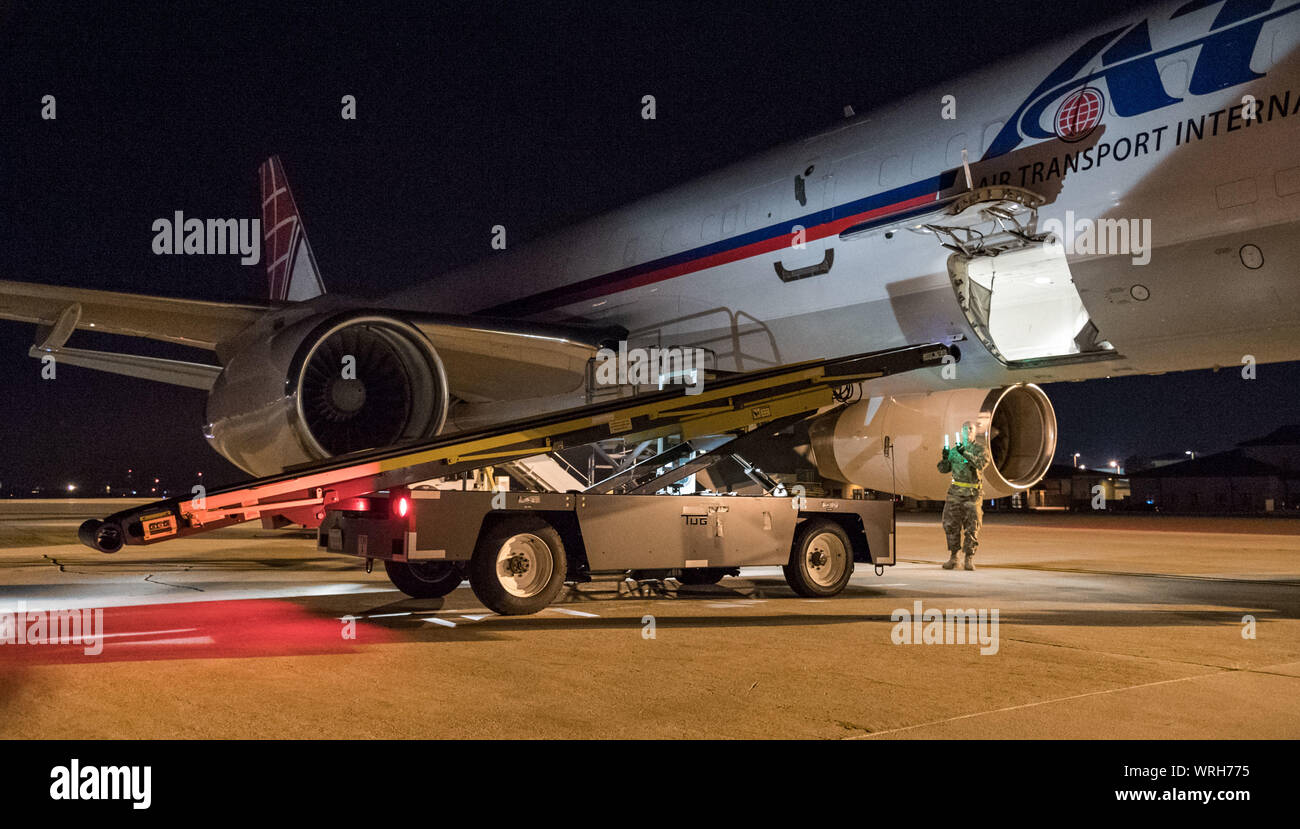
x: 1079, y: 114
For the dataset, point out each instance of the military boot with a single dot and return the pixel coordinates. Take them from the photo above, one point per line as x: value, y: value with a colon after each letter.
x: 970, y: 561
x: 951, y: 562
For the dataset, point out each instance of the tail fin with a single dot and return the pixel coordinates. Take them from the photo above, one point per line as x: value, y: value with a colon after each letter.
x: 290, y: 266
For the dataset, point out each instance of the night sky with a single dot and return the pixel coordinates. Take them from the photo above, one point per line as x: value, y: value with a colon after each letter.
x: 474, y: 115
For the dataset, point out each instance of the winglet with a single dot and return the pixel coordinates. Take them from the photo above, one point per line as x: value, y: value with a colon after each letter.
x: 290, y: 266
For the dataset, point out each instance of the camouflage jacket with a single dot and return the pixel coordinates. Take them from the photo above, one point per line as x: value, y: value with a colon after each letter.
x: 966, y: 463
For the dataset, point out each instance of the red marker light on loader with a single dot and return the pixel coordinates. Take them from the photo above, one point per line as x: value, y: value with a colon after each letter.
x: 403, y: 506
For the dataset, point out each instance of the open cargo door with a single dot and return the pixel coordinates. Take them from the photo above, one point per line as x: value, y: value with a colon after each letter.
x: 1013, y: 283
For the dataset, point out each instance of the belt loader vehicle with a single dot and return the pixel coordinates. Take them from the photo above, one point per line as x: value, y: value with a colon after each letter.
x: 519, y: 548
x: 519, y: 552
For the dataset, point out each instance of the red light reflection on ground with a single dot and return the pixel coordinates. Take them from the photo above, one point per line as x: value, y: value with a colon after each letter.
x: 194, y: 630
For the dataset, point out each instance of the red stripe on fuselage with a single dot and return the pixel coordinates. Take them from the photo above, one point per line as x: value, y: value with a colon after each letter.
x: 744, y: 252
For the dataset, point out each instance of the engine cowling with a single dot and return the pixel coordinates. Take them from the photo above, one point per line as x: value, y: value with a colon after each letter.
x: 1017, y: 422
x: 326, y: 386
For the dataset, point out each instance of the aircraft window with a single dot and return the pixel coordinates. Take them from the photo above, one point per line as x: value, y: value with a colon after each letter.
x: 680, y: 235
x: 927, y: 162
x: 1285, y: 41
x: 729, y: 220
x: 710, y: 228
x: 1174, y: 78
x: 855, y: 172
x: 956, y: 144
x: 1287, y: 182
x: 1236, y: 193
x: 767, y: 203
x: 757, y: 214
x: 991, y: 132
x: 890, y: 169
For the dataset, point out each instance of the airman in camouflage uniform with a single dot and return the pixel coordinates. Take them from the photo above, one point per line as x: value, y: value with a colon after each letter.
x: 963, y: 510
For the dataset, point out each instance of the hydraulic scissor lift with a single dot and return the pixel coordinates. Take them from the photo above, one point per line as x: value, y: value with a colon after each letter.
x: 518, y: 548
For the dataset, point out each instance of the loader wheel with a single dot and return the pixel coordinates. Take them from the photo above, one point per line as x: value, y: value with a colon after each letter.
x: 518, y: 566
x: 821, y: 560
x: 425, y: 579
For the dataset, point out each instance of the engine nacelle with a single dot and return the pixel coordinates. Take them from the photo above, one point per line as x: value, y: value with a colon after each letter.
x: 323, y: 386
x: 1017, y: 422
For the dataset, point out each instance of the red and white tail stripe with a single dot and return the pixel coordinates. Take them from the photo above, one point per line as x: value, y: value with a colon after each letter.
x: 290, y: 266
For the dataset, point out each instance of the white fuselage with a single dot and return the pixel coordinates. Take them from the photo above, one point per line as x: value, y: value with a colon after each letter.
x: 697, y: 264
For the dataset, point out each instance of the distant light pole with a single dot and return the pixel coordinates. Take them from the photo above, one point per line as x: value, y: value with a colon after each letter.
x: 1076, y: 459
x: 1191, y: 453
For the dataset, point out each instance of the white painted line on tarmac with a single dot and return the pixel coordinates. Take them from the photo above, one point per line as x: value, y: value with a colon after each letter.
x: 361, y: 616
x: 1036, y: 704
x: 477, y: 618
x: 72, y: 640
x: 444, y: 622
x: 149, y: 632
x: 192, y: 640
x: 574, y: 612
x: 79, y: 601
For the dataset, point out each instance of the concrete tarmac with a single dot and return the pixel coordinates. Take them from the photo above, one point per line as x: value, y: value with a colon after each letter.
x: 1109, y: 626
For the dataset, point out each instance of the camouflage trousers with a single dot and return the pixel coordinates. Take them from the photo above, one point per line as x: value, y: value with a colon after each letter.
x: 963, y: 511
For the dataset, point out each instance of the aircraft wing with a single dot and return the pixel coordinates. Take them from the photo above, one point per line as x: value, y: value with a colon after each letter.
x: 485, y: 359
x: 189, y: 322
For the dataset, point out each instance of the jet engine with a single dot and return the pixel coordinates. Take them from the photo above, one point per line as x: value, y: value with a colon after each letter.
x: 894, y: 443
x: 326, y: 386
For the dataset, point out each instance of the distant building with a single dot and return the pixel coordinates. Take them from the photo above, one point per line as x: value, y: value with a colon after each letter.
x: 1280, y: 448
x: 1069, y: 487
x: 1232, y: 481
x: 1141, y: 463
